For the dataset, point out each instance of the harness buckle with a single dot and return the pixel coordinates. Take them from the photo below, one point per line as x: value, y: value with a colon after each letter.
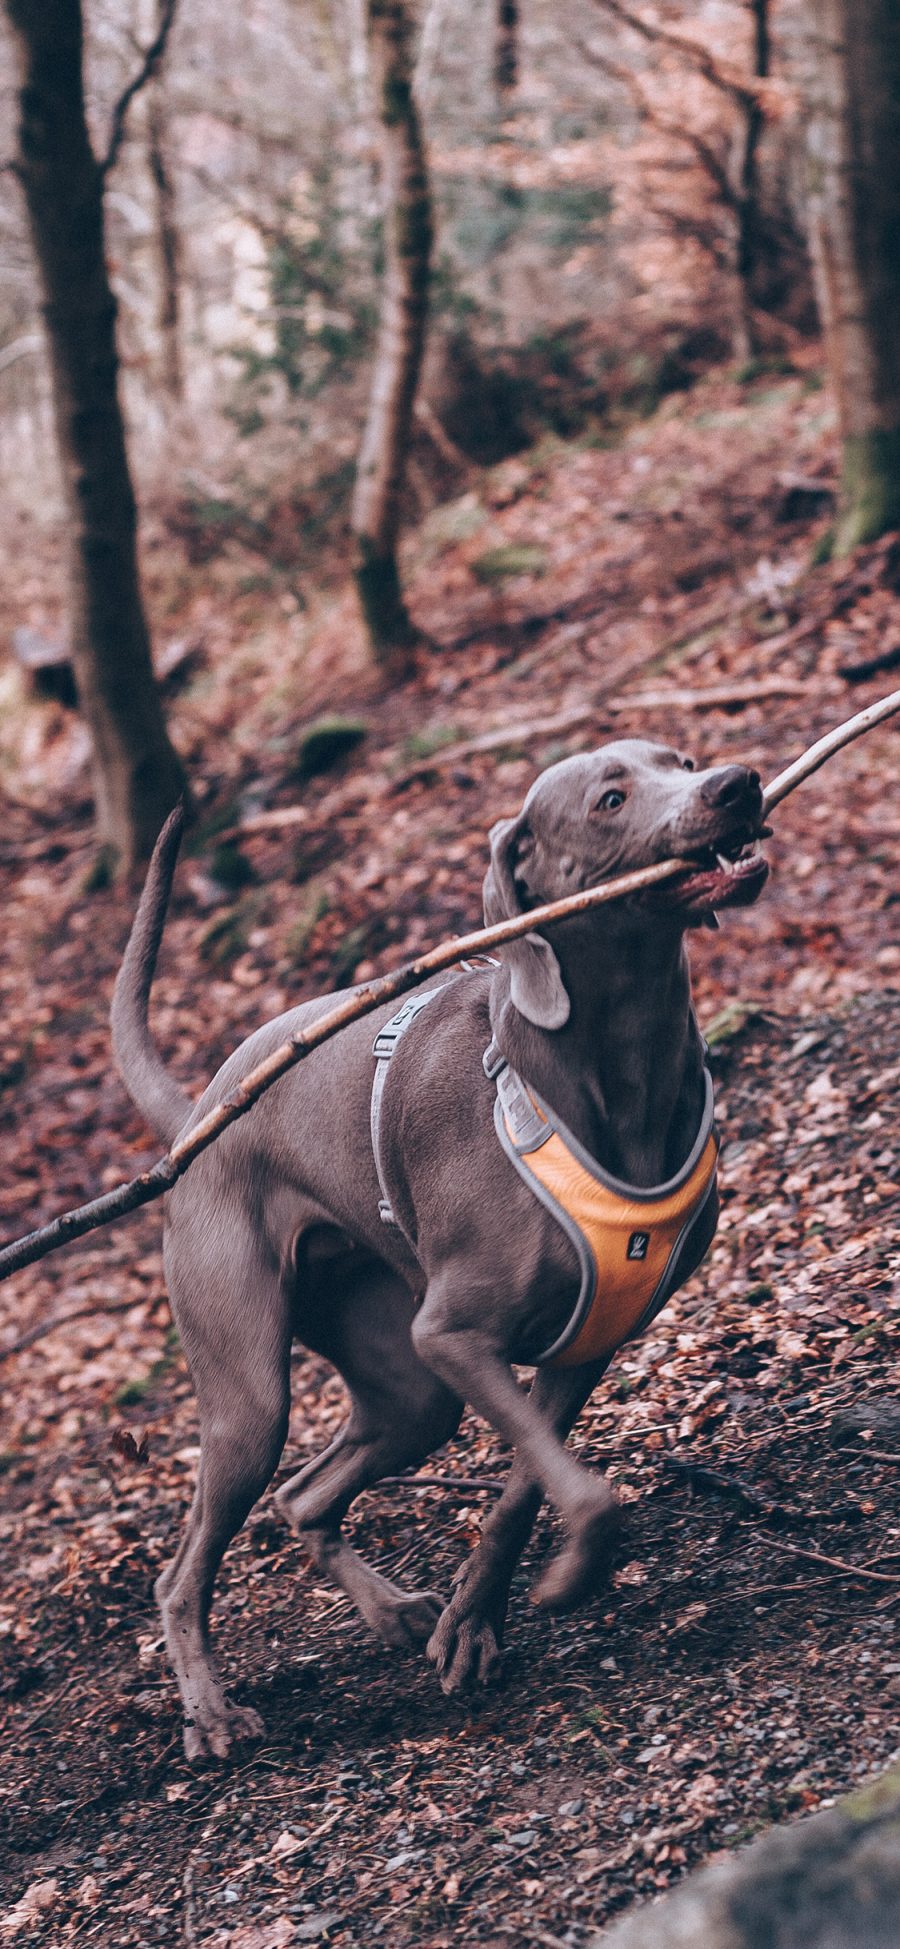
x: 492, y: 1061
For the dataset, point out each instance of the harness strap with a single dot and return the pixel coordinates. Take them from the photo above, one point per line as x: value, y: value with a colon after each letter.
x: 382, y: 1049
x: 630, y: 1243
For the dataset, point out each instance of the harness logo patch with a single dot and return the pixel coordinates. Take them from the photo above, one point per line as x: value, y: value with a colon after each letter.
x: 637, y: 1245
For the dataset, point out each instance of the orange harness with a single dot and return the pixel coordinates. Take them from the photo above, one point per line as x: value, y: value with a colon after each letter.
x: 634, y: 1247
x: 630, y: 1242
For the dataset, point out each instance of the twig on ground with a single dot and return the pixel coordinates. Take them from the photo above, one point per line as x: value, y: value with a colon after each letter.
x: 719, y: 697
x: 43, y: 1327
x: 834, y: 1563
x: 728, y: 1485
x: 440, y: 1482
x: 765, y: 1506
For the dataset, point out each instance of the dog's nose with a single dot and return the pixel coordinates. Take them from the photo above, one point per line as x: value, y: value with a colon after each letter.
x: 731, y: 786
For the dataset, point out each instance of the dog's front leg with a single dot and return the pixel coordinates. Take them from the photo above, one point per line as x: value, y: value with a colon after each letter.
x: 453, y: 1336
x: 465, y: 1645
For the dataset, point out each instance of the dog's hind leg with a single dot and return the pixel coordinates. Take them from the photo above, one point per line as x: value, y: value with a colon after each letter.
x: 399, y: 1413
x: 465, y: 1646
x: 237, y: 1343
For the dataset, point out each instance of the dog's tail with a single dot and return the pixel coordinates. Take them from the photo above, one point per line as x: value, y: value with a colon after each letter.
x: 162, y: 1101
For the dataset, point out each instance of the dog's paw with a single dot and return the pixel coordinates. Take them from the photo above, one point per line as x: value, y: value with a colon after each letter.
x: 222, y: 1732
x: 584, y: 1563
x: 464, y: 1649
x: 405, y: 1619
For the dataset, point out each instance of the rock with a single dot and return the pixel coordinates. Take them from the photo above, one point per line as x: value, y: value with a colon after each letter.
x: 831, y: 1882
x: 801, y: 499
x: 47, y: 665
x: 327, y: 741
x: 877, y: 1415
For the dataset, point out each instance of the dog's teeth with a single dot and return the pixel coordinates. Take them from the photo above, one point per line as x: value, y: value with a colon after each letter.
x: 723, y: 862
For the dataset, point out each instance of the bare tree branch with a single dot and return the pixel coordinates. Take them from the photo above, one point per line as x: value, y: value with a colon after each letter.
x: 675, y: 131
x: 149, y: 66
x: 698, y: 57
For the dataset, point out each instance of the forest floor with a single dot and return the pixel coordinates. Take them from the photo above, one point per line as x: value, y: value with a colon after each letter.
x: 743, y: 1665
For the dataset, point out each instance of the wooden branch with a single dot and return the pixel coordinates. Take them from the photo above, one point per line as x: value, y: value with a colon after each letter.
x: 467, y: 1482
x: 149, y: 66
x: 384, y: 988
x: 824, y: 748
x: 717, y: 697
x: 43, y: 1327
x: 439, y: 437
x: 692, y: 51
x: 674, y: 131
x: 833, y: 1562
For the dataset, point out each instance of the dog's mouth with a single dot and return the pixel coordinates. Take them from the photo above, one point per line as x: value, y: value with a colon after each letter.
x: 730, y: 872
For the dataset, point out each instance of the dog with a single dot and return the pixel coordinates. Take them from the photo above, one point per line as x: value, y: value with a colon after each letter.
x: 413, y: 1242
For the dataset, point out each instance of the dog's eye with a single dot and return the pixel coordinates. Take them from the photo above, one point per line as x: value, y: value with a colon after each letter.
x: 687, y: 764
x: 611, y: 801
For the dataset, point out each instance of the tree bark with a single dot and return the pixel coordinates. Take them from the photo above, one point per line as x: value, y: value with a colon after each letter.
x: 408, y: 233
x: 168, y: 244
x: 853, y: 52
x: 748, y: 241
x: 506, y: 48
x: 137, y: 775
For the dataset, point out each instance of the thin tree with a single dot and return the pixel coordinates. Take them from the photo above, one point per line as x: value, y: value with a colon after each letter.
x: 506, y: 48
x: 737, y: 243
x: 168, y: 243
x: 853, y: 206
x: 408, y: 234
x: 137, y: 774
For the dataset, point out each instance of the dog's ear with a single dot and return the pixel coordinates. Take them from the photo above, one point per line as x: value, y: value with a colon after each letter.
x: 537, y: 988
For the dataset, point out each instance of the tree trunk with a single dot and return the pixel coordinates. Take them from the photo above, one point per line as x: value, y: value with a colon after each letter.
x: 168, y: 244
x: 506, y: 48
x: 748, y: 241
x: 404, y: 308
x: 854, y: 229
x: 137, y: 775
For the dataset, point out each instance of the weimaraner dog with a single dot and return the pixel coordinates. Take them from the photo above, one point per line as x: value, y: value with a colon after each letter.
x: 278, y: 1231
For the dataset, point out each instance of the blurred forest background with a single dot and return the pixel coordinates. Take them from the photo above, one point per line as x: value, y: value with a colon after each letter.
x: 347, y: 255
x: 396, y: 398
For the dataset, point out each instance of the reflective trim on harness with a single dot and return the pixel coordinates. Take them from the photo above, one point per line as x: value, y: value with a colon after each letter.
x: 629, y: 1241
x: 382, y: 1049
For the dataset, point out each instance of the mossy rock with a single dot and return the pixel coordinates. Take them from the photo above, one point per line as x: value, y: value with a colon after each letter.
x: 231, y: 868
x: 326, y: 742
x: 223, y: 940
x: 300, y: 933
x: 423, y: 744
x: 501, y: 564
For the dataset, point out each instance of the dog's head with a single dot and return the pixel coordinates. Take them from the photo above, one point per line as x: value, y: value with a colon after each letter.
x: 628, y: 805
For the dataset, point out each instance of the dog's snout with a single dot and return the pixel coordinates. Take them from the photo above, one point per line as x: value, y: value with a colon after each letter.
x: 732, y: 786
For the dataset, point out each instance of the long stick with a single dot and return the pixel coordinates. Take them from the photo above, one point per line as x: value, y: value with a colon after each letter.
x: 161, y: 1177
x: 825, y: 748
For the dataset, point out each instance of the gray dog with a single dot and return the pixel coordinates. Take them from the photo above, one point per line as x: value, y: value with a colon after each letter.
x: 425, y: 1234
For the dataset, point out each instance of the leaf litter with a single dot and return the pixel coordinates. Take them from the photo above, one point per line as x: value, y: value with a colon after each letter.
x: 744, y: 1664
